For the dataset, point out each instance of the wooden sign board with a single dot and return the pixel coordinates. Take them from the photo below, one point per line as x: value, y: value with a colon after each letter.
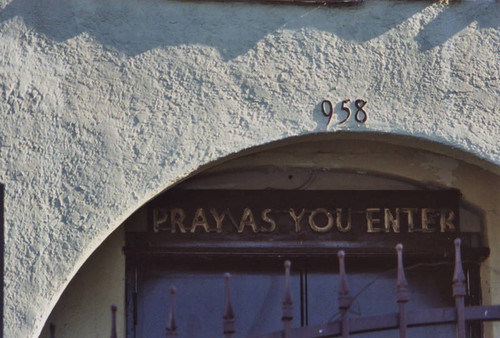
x: 293, y: 220
x: 302, y: 214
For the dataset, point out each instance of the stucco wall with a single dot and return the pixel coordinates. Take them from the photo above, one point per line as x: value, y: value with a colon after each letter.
x: 106, y: 103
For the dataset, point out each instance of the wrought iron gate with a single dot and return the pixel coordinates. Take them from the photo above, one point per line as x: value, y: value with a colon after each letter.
x: 345, y: 326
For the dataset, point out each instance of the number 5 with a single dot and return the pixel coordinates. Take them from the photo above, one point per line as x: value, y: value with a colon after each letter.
x: 347, y: 110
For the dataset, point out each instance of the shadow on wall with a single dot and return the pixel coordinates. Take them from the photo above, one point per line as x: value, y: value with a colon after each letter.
x: 135, y: 27
x: 457, y: 17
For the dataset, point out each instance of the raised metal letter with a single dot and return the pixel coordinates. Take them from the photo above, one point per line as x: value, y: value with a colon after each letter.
x: 317, y: 228
x: 296, y: 218
x: 347, y: 227
x: 177, y: 217
x: 200, y: 220
x: 266, y: 219
x: 370, y: 221
x: 247, y: 220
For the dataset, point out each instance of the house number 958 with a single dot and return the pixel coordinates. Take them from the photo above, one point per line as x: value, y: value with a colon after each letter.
x: 361, y: 116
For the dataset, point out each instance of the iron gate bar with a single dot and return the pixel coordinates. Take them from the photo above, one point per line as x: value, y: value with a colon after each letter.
x: 459, y: 291
x: 113, y: 321
x: 229, y: 325
x: 171, y: 328
x: 287, y: 309
x: 345, y: 301
x: 52, y: 330
x: 402, y: 293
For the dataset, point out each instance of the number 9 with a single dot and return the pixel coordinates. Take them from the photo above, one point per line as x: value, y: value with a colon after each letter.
x: 327, y: 112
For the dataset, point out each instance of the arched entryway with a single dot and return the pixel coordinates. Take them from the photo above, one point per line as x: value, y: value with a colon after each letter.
x: 309, y: 164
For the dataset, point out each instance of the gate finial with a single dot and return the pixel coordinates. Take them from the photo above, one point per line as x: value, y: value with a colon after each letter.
x: 229, y: 327
x: 401, y: 282
x: 344, y: 299
x: 172, y: 322
x: 287, y: 309
x: 113, y: 321
x: 344, y: 285
x: 402, y: 292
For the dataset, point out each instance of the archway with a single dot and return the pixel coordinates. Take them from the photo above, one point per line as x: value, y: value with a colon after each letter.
x: 303, y: 163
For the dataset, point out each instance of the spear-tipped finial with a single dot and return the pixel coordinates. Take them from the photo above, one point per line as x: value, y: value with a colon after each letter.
x: 344, y: 285
x: 172, y: 322
x: 229, y: 327
x: 458, y: 275
x: 113, y: 321
x: 459, y: 290
x: 401, y: 283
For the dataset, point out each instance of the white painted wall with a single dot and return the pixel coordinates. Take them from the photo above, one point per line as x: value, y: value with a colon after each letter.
x: 103, y: 104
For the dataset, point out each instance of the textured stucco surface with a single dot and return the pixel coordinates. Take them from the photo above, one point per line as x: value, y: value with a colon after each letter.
x: 104, y: 104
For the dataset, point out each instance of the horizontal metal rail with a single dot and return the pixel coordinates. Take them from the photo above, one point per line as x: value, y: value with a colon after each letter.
x: 434, y: 316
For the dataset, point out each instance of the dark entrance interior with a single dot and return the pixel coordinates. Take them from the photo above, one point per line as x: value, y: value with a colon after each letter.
x: 257, y: 289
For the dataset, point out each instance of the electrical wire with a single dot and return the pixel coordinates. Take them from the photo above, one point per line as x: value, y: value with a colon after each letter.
x: 338, y: 314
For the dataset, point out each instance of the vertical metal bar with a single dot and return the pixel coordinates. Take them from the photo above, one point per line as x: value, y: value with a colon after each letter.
x: 229, y: 325
x: 304, y: 305
x: 474, y: 328
x: 113, y: 321
x: 287, y: 309
x: 131, y: 297
x: 52, y: 330
x: 306, y: 289
x: 172, y: 322
x: 402, y: 293
x: 303, y: 298
x: 459, y: 291
x: 134, y: 296
x: 344, y: 299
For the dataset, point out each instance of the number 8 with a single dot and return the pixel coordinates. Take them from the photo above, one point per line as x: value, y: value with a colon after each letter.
x: 360, y: 104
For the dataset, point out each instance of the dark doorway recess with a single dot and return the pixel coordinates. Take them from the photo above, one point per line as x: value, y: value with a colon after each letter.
x: 183, y: 247
x: 257, y: 287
